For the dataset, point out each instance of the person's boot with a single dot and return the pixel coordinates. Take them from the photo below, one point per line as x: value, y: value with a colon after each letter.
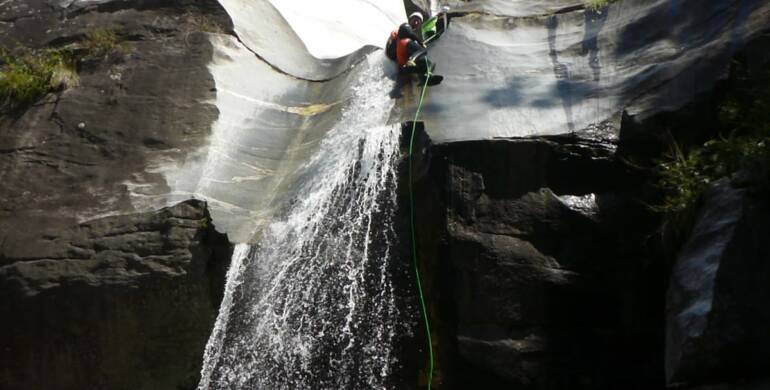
x: 430, y: 79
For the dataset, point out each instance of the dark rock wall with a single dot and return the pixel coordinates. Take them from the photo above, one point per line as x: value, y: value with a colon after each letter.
x: 124, y: 302
x: 79, y: 152
x: 96, y: 293
x: 533, y: 290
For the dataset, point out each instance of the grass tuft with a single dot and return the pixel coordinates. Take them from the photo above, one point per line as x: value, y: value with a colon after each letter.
x: 744, y: 114
x: 102, y: 42
x: 684, y: 177
x: 204, y: 23
x: 596, y: 5
x: 27, y: 75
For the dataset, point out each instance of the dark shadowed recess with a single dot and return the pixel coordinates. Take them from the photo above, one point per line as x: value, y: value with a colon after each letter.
x: 532, y: 293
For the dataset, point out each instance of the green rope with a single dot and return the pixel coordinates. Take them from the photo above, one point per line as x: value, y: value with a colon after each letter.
x: 414, y: 240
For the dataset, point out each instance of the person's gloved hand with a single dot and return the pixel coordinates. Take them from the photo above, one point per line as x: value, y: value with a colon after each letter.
x: 410, y: 62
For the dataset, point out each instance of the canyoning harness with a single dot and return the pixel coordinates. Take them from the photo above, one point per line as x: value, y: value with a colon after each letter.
x: 413, y: 234
x: 404, y: 31
x: 398, y: 49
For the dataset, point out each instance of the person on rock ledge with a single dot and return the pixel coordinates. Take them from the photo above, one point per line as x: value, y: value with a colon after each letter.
x: 405, y: 47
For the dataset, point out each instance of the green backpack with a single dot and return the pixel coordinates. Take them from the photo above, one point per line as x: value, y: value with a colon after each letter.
x: 432, y: 29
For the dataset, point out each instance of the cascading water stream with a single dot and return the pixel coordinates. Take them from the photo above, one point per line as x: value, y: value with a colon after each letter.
x: 314, y: 305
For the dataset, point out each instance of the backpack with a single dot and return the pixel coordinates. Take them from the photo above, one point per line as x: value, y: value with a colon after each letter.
x: 390, y: 47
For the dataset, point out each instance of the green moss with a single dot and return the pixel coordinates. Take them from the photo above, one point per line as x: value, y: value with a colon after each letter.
x: 27, y: 75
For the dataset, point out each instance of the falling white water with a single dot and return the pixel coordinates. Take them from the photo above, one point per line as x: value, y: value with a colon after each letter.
x: 314, y: 305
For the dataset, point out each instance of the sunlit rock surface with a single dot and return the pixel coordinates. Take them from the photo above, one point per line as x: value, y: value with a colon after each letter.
x: 334, y: 28
x: 515, y: 7
x: 271, y: 116
x: 313, y: 40
x: 268, y: 124
x: 519, y: 68
x: 233, y: 137
x: 512, y: 69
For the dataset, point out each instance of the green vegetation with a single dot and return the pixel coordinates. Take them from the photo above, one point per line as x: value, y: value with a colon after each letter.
x: 744, y: 115
x: 204, y: 23
x: 103, y: 41
x: 27, y: 75
x: 685, y: 177
x: 595, y: 5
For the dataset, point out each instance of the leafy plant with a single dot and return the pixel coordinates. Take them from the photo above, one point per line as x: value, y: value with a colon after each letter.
x: 684, y: 177
x: 27, y: 75
x: 743, y: 113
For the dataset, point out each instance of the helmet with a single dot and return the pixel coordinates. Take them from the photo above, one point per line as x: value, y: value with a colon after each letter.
x: 415, y: 15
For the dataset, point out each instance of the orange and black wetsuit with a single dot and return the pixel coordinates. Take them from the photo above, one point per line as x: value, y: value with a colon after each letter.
x: 402, y: 44
x: 405, y: 44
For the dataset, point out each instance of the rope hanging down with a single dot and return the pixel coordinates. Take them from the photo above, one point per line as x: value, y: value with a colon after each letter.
x: 414, y: 240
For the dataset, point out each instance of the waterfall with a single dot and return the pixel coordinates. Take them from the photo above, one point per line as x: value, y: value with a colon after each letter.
x: 314, y: 304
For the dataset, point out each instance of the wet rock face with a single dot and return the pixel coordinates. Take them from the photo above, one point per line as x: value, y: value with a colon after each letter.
x: 123, y: 302
x: 95, y: 148
x: 716, y: 312
x: 541, y: 272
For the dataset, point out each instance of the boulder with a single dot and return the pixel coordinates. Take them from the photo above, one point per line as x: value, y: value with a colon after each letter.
x: 717, y: 314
